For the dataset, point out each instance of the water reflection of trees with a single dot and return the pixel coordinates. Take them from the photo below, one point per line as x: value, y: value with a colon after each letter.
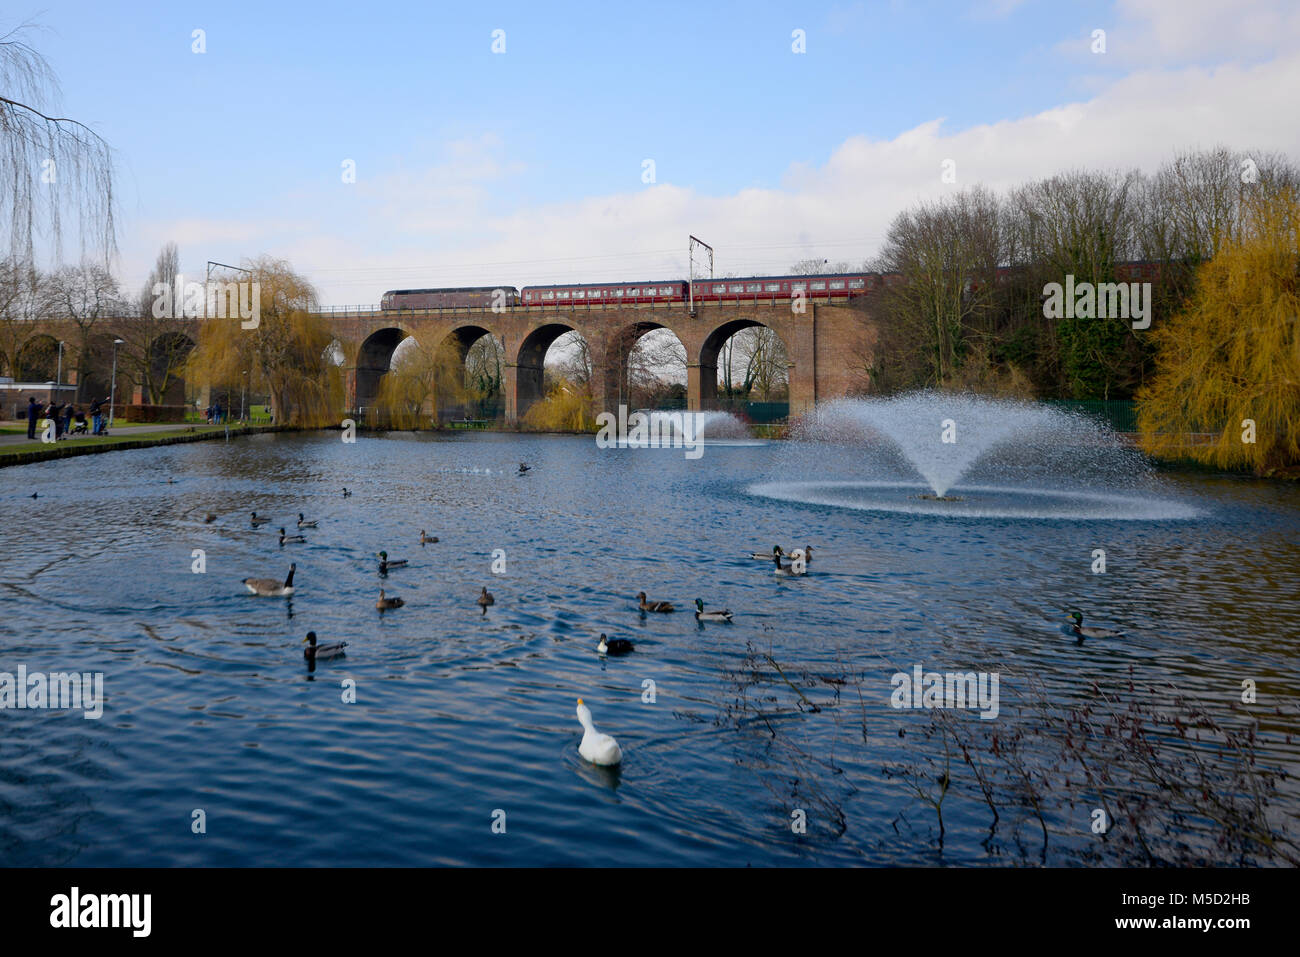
x: 1130, y: 774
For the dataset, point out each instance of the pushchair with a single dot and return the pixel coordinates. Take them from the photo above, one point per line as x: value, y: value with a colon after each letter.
x: 79, y: 424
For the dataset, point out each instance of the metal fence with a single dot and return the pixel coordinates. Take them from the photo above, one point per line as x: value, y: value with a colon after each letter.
x: 1119, y: 414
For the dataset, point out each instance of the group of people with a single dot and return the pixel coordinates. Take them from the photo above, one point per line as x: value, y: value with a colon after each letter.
x: 63, y: 416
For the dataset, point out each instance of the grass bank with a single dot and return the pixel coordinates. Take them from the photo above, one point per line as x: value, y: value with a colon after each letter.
x: 92, y: 445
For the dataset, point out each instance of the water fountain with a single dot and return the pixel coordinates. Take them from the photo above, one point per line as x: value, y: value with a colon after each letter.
x: 1014, y: 459
x: 711, y: 427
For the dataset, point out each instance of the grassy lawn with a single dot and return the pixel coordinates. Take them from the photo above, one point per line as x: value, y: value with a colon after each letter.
x: 110, y: 439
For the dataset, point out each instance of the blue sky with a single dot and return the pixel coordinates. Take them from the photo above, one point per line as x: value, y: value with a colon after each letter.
x: 527, y: 166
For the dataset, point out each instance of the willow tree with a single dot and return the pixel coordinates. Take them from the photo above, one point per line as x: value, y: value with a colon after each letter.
x: 1229, y: 363
x: 50, y: 165
x: 287, y: 354
x: 568, y: 407
x: 421, y: 381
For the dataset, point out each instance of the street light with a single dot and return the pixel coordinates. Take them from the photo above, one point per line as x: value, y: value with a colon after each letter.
x: 59, y: 374
x: 243, y: 388
x: 112, y: 392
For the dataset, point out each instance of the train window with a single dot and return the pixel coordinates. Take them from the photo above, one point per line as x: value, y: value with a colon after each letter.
x: 773, y: 287
x: 737, y: 287
x: 719, y: 290
x: 752, y: 287
x: 665, y: 290
x: 818, y: 285
x: 562, y: 294
x: 797, y: 286
x: 594, y: 293
x: 618, y: 292
x: 857, y: 283
x: 548, y: 295
x: 579, y: 294
x: 837, y: 284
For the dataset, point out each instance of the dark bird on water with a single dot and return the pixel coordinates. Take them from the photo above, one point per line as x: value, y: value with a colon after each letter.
x: 315, y: 652
x: 613, y: 646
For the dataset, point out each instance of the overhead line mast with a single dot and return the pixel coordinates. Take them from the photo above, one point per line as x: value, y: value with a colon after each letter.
x: 690, y: 268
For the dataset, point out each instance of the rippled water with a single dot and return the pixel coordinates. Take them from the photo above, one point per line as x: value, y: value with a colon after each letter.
x: 459, y: 714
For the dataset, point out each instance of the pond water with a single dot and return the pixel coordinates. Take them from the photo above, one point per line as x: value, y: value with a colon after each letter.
x: 460, y: 715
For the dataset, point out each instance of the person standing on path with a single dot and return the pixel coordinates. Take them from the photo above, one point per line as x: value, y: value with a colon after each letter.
x: 96, y: 416
x: 32, y: 411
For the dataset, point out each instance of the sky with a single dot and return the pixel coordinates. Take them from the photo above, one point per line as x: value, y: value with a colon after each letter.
x: 533, y: 164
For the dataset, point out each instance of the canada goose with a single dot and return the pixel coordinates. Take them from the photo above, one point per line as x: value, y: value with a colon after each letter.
x: 290, y: 539
x: 766, y: 556
x: 788, y: 571
x: 596, y: 747
x: 255, y: 520
x: 427, y: 539
x: 315, y: 652
x: 702, y: 615
x: 383, y: 602
x: 485, y: 598
x: 270, y: 587
x: 1080, y: 632
x: 304, y: 524
x: 654, y: 605
x: 613, y: 646
x: 346, y: 493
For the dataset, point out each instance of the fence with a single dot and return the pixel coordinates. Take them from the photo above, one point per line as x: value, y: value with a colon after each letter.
x: 1119, y: 414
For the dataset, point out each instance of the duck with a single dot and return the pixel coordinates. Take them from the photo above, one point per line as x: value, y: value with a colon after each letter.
x: 315, y: 652
x: 271, y: 587
x: 290, y: 539
x: 766, y: 556
x: 385, y: 563
x: 1080, y: 632
x: 346, y: 493
x: 807, y: 553
x: 614, y: 646
x: 485, y: 599
x: 654, y: 605
x: 256, y: 520
x: 702, y: 615
x: 524, y: 468
x: 383, y: 602
x: 596, y: 747
x: 209, y: 519
x: 302, y: 523
x: 427, y: 539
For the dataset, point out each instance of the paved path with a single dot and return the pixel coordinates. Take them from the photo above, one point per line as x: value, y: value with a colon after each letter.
x: 21, y: 437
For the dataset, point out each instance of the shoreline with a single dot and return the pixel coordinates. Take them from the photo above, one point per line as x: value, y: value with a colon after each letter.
x: 61, y: 451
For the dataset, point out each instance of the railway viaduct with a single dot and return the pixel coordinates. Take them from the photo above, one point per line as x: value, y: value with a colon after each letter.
x: 825, y: 344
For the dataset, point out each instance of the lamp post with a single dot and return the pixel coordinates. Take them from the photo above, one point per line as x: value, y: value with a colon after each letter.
x: 112, y: 392
x: 59, y: 375
x: 243, y: 389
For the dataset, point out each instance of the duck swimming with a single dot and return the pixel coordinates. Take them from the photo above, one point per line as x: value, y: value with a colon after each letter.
x: 596, y: 747
x: 255, y: 520
x: 290, y: 539
x: 303, y: 523
x: 346, y: 493
x: 427, y: 539
x: 1080, y: 632
x: 702, y: 615
x: 270, y: 587
x: 765, y: 556
x: 788, y: 571
x: 524, y: 468
x: 614, y: 646
x: 485, y: 599
x: 384, y: 603
x: 654, y: 605
x: 385, y: 563
x: 315, y: 652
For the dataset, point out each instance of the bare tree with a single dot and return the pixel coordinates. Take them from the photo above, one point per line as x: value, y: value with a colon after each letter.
x: 48, y: 162
x: 86, y: 294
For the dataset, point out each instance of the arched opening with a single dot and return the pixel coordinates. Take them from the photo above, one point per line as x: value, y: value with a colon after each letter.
x: 482, y: 359
x: 374, y: 359
x: 165, y: 378
x: 554, y: 363
x: 745, y: 368
x: 38, y: 360
x: 647, y: 368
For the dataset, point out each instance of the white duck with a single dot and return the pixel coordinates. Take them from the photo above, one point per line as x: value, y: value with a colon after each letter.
x: 596, y: 747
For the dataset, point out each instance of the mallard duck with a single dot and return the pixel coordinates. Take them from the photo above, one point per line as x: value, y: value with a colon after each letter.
x: 766, y: 556
x: 315, y: 652
x: 702, y: 615
x: 613, y: 646
x: 654, y: 605
x: 302, y: 523
x: 485, y: 599
x: 596, y: 747
x: 1080, y: 632
x: 524, y: 468
x: 385, y: 563
x: 290, y: 539
x: 383, y: 602
x: 209, y: 519
x: 270, y: 587
x: 427, y: 539
x: 256, y: 520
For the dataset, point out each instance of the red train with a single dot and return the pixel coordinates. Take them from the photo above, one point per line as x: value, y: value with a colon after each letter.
x: 660, y: 291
